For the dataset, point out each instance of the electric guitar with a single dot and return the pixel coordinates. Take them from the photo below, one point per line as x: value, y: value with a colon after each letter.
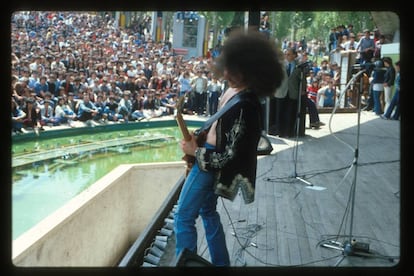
x: 189, y: 159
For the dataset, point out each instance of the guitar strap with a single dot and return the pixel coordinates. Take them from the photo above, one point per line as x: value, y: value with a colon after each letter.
x: 234, y: 100
x: 264, y: 147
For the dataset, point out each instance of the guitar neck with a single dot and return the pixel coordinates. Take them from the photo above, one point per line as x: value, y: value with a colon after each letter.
x: 183, y: 127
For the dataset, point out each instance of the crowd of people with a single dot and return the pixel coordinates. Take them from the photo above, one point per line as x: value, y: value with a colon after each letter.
x: 71, y: 67
x: 79, y: 67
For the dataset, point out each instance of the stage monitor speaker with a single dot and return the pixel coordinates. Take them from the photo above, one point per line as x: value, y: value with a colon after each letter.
x: 186, y: 258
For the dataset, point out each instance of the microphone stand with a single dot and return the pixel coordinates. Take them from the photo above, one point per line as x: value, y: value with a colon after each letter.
x: 351, y: 247
x: 298, y: 113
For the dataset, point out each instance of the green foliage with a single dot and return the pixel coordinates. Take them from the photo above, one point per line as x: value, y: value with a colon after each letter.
x: 293, y: 25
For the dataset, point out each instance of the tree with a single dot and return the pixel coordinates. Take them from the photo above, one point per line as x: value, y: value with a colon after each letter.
x: 217, y: 21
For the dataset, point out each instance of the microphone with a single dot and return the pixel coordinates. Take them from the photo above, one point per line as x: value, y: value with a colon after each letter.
x: 304, y: 64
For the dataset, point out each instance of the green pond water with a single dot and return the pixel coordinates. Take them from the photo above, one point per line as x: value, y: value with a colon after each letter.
x: 42, y: 187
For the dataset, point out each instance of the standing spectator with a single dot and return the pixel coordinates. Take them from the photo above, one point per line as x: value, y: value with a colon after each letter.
x: 199, y: 87
x: 312, y: 90
x: 186, y: 89
x: 333, y: 39
x: 185, y: 83
x: 366, y: 47
x: 214, y: 92
x: 377, y: 81
x: 265, y: 25
x: 389, y: 79
x: 393, y: 110
x: 378, y: 44
x: 287, y: 98
x: 350, y: 44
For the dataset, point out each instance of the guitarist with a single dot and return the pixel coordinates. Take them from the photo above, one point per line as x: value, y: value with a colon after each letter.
x: 227, y: 160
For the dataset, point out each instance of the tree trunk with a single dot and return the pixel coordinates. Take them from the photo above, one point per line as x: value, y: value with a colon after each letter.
x: 388, y: 23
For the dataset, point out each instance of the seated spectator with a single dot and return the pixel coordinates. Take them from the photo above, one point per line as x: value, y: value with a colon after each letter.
x: 87, y: 110
x: 166, y: 106
x: 100, y: 105
x: 150, y: 108
x: 46, y: 114
x: 125, y: 105
x: 32, y: 119
x: 138, y: 106
x: 327, y: 95
x: 111, y: 110
x: 18, y: 116
x: 63, y: 112
x: 41, y: 86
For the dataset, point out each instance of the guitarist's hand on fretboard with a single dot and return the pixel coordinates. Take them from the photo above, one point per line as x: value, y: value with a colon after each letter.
x: 189, y: 147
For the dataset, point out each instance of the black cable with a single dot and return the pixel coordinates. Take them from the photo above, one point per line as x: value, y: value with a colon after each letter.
x: 243, y: 247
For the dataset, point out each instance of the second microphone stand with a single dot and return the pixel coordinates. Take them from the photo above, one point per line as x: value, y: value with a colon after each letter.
x: 298, y: 123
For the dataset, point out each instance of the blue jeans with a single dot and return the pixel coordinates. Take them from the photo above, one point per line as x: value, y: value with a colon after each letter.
x: 394, y: 104
x: 377, y: 102
x: 198, y: 198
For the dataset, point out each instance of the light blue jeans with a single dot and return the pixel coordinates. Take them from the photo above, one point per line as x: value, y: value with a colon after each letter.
x: 198, y: 198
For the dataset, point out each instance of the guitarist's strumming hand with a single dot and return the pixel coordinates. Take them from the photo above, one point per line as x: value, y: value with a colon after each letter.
x: 189, y: 147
